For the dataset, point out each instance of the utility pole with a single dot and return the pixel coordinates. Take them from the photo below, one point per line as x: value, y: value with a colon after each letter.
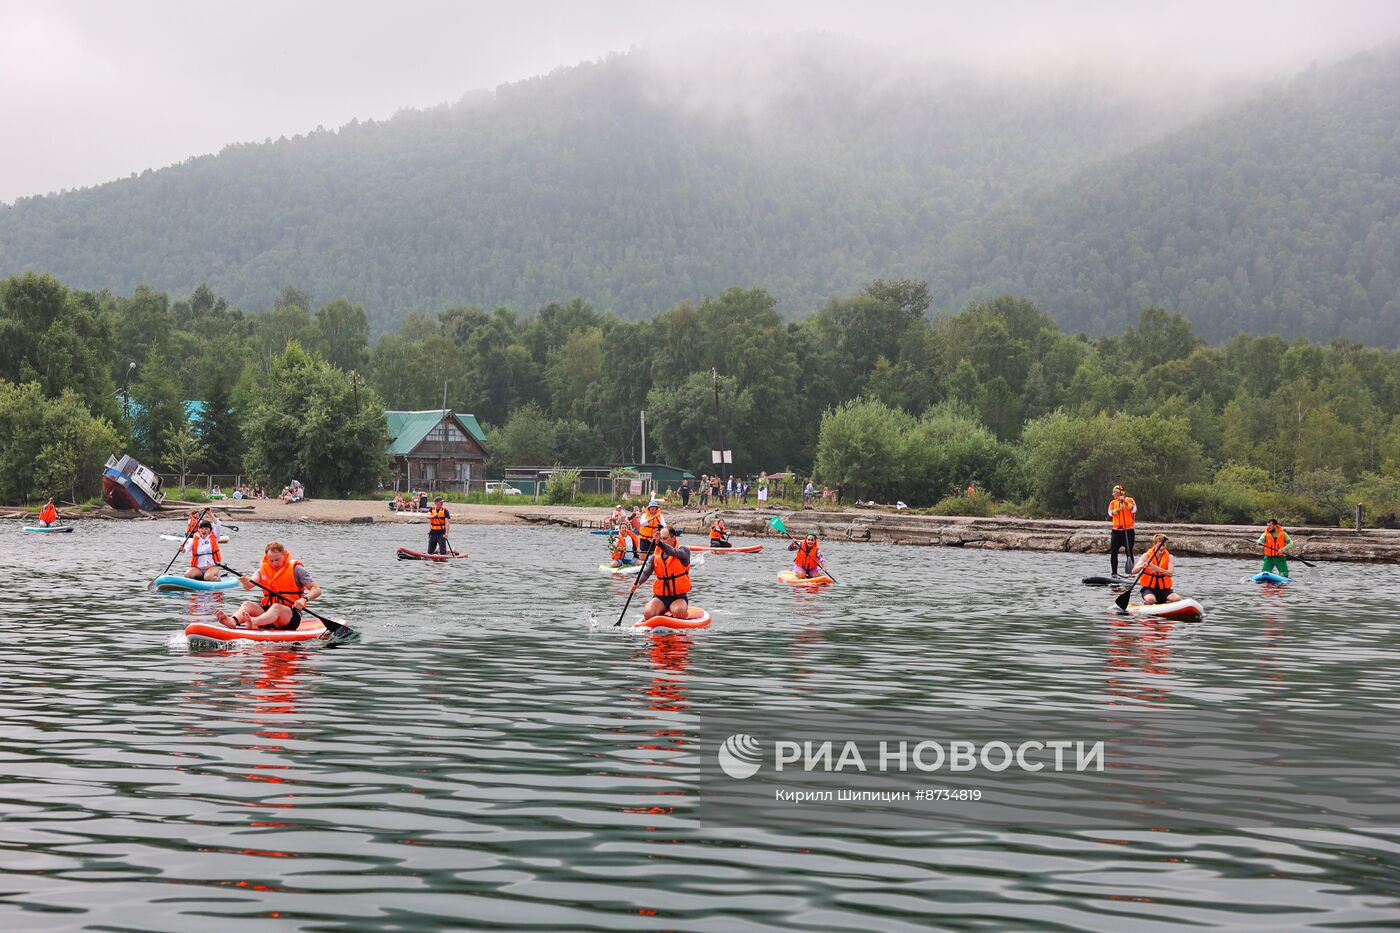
x: 644, y: 439
x: 126, y: 395
x: 719, y: 429
x: 444, y: 395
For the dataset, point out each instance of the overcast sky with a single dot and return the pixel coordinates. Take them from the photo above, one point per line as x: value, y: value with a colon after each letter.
x: 92, y: 90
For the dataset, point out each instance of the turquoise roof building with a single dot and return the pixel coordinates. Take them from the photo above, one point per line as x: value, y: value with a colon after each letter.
x: 436, y: 449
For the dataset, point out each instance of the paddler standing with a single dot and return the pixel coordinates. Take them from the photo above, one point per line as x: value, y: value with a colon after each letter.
x: 1156, y: 569
x: 1275, y: 541
x: 652, y: 522
x: 203, y: 549
x: 670, y: 591
x: 807, y: 562
x: 719, y: 535
x: 439, y: 524
x: 283, y: 576
x: 48, y: 515
x: 1122, y: 512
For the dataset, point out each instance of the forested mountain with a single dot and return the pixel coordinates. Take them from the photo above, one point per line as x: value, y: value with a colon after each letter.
x: 1281, y: 215
x: 617, y: 181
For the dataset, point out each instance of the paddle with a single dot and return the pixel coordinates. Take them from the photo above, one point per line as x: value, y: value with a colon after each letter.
x: 451, y: 551
x: 178, y: 551
x: 337, y: 629
x: 1122, y: 601
x: 777, y: 523
x: 630, y: 593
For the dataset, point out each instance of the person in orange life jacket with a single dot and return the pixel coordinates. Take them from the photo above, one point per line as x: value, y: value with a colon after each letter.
x: 635, y: 519
x: 719, y: 535
x: 439, y: 525
x: 808, y: 560
x: 48, y: 515
x: 192, y: 524
x: 1122, y: 512
x: 283, y: 575
x: 203, y: 549
x: 1275, y: 541
x: 1156, y: 568
x: 670, y: 591
x: 623, y: 538
x: 650, y: 528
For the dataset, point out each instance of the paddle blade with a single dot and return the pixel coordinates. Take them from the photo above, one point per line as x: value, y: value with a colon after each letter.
x: 776, y: 524
x: 1122, y: 601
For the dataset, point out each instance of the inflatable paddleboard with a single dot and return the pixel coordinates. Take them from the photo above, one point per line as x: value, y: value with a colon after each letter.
x: 214, y: 633
x: 52, y: 529
x: 787, y: 576
x: 1268, y: 576
x: 747, y: 549
x: 170, y: 583
x: 621, y: 571
x: 695, y: 618
x: 404, y: 553
x: 1180, y: 609
x: 1107, y: 581
x: 223, y: 539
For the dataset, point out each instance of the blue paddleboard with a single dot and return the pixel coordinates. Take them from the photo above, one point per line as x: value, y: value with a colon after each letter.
x: 1268, y: 576
x: 171, y: 582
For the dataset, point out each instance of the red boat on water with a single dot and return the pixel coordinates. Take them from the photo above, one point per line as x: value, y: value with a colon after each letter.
x: 127, y: 485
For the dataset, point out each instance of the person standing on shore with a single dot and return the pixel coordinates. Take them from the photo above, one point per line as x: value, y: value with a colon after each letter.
x: 1122, y: 512
x: 716, y: 490
x: 685, y: 493
x: 763, y: 489
x: 1275, y: 541
x: 439, y: 525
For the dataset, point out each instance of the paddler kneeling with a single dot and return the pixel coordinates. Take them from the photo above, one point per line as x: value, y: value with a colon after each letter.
x: 719, y: 535
x: 285, y: 577
x: 1156, y: 569
x: 48, y: 515
x: 621, y: 539
x: 807, y: 562
x: 671, y: 589
x: 203, y: 549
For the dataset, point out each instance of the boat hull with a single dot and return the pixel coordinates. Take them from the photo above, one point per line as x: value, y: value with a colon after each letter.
x: 124, y: 495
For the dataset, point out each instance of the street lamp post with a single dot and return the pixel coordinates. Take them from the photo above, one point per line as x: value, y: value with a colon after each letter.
x: 126, y: 395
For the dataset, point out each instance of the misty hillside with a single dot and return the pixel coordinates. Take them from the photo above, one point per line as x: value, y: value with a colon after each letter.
x: 630, y: 182
x: 1282, y: 215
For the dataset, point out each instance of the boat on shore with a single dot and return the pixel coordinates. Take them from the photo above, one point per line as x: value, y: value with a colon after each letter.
x: 127, y: 485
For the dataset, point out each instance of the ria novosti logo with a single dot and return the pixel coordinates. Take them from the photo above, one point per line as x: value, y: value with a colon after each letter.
x: 740, y: 756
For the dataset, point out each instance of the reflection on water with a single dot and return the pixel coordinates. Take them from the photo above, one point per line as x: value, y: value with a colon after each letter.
x: 496, y: 753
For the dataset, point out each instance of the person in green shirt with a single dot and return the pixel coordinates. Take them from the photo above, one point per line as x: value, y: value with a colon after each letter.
x: 1275, y: 541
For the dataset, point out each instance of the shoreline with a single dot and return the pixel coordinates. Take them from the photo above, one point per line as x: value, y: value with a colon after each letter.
x: 858, y: 525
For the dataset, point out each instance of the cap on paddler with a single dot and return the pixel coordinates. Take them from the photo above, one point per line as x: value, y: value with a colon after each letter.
x: 653, y: 504
x: 437, y: 498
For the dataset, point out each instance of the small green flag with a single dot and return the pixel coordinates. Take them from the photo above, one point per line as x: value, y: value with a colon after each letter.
x: 777, y: 524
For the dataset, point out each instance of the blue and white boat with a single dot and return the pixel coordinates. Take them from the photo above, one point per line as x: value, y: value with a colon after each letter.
x: 126, y: 485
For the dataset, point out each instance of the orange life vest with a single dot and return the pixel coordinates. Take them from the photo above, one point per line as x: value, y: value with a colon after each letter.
x: 192, y: 525
x: 672, y: 577
x: 437, y: 519
x: 1121, y: 511
x: 283, y: 581
x: 651, y: 524
x: 717, y: 530
x: 1158, y: 581
x: 806, y: 556
x: 213, y: 541
x: 48, y: 514
x: 624, y: 534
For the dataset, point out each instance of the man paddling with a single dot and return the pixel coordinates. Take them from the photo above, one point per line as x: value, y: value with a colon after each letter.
x: 1122, y: 512
x: 439, y: 522
x: 652, y: 523
x: 48, y: 515
x: 670, y: 590
x: 1156, y: 569
x: 1275, y: 541
x: 807, y: 562
x: 203, y: 549
x: 285, y: 577
x: 719, y: 535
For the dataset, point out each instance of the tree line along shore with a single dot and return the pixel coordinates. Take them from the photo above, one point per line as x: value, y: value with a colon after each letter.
x: 868, y: 391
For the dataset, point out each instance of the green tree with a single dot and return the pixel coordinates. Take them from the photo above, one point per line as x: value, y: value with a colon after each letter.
x: 158, y: 409
x: 862, y: 445
x: 681, y: 420
x: 342, y: 335
x: 50, y: 446
x: 308, y: 426
x: 183, y: 448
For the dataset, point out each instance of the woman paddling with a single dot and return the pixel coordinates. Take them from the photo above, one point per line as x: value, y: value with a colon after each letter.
x: 671, y: 589
x: 807, y: 562
x: 48, y: 515
x: 719, y: 535
x: 1156, y: 569
x: 203, y: 549
x: 283, y: 576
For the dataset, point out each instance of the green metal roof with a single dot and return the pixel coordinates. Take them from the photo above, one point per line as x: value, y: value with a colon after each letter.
x: 408, y: 428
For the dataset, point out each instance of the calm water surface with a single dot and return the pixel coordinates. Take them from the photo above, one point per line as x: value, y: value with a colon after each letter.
x: 494, y: 754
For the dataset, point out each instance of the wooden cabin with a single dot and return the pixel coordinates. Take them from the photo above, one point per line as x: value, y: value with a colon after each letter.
x: 436, y: 450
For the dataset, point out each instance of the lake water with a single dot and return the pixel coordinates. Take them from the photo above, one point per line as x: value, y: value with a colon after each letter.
x: 493, y: 753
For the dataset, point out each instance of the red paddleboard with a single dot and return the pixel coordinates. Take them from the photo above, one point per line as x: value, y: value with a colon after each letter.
x: 404, y: 553
x: 207, y: 632
x: 695, y: 618
x: 748, y: 549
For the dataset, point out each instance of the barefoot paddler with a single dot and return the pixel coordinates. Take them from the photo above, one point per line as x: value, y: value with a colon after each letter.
x: 288, y: 588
